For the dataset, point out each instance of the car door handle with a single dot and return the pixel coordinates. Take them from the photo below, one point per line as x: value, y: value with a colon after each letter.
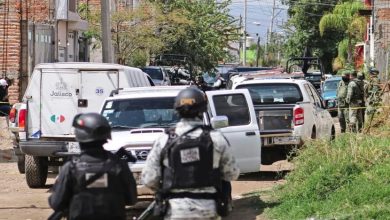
x: 250, y: 133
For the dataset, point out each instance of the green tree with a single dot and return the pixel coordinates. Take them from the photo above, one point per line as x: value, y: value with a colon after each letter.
x: 136, y: 33
x: 302, y: 31
x: 345, y: 18
x: 206, y: 36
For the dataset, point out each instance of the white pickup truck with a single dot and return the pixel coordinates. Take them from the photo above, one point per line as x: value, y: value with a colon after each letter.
x: 139, y: 115
x: 289, y: 111
x: 55, y: 94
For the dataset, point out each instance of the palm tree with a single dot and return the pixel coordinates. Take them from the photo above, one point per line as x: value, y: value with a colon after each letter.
x: 345, y: 18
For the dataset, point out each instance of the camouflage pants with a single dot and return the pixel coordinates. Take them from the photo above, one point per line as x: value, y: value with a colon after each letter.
x: 343, y: 116
x: 356, y: 114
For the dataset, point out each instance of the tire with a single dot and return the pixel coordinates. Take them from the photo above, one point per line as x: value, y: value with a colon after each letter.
x: 21, y: 162
x: 313, y: 133
x: 36, y: 171
x: 332, y: 134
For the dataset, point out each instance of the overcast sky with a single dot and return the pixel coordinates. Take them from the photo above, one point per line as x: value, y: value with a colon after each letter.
x: 259, y: 12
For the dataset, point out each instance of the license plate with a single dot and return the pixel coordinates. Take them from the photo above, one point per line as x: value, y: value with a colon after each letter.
x: 73, y: 147
x: 285, y: 140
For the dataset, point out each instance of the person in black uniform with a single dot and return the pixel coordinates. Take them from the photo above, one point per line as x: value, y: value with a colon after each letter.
x: 96, y: 184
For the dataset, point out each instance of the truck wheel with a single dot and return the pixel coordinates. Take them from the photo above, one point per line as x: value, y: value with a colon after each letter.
x: 21, y: 160
x: 36, y: 171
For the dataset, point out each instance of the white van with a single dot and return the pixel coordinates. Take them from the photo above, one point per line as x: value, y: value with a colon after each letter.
x: 55, y: 94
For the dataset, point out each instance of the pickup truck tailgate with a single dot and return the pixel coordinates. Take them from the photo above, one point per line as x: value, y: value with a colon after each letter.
x: 275, y: 119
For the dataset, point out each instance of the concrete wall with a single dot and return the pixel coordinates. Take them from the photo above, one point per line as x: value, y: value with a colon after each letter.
x: 382, y: 36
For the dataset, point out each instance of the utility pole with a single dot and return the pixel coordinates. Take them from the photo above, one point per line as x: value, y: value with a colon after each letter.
x: 257, y: 50
x: 240, y: 42
x: 269, y: 34
x: 244, y: 45
x: 266, y: 46
x: 107, y: 50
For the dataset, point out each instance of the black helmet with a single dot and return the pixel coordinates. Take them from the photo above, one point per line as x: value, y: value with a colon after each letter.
x: 91, y: 127
x: 190, y: 103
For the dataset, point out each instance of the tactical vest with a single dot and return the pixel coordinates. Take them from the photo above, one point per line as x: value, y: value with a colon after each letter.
x: 190, y: 161
x: 359, y: 94
x: 97, y: 199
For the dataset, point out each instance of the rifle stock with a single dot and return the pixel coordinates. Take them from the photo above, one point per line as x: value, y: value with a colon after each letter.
x: 148, y: 213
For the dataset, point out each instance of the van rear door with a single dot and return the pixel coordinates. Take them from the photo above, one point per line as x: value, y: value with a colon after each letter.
x: 243, y: 131
x: 58, y: 104
x: 95, y: 87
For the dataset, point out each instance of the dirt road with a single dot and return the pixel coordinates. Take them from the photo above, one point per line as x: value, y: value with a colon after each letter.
x: 18, y: 202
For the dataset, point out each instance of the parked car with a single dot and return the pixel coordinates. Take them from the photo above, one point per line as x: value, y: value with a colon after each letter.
x: 288, y: 112
x: 328, y: 93
x: 42, y: 122
x: 158, y: 74
x: 224, y: 69
x: 138, y: 116
x: 315, y: 79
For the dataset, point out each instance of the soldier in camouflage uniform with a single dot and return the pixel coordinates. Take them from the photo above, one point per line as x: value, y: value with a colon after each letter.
x: 222, y: 159
x: 355, y: 100
x: 341, y: 95
x: 362, y: 78
x: 372, y: 93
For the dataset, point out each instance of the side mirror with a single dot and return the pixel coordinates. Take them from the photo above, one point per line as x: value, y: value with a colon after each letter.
x: 325, y: 104
x: 219, y: 122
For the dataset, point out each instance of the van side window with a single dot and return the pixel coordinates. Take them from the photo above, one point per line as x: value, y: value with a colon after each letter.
x: 234, y: 107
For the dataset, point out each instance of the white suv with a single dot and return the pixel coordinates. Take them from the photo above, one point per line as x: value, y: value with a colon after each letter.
x: 289, y: 111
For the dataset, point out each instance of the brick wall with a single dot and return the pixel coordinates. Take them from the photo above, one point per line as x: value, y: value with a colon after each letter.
x: 11, y: 12
x: 10, y: 45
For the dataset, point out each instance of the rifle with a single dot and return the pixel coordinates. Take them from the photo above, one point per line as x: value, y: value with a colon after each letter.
x: 148, y: 213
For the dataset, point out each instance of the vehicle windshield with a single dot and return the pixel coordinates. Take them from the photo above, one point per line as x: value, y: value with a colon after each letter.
x: 330, y: 85
x: 275, y: 93
x: 140, y: 113
x: 153, y: 73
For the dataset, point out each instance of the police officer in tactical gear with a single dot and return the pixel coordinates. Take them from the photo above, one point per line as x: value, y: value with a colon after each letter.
x: 355, y: 100
x: 96, y: 184
x: 341, y: 95
x: 187, y: 164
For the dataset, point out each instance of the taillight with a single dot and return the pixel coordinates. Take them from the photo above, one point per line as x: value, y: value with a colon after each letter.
x: 12, y: 115
x: 22, y: 118
x: 299, y: 116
